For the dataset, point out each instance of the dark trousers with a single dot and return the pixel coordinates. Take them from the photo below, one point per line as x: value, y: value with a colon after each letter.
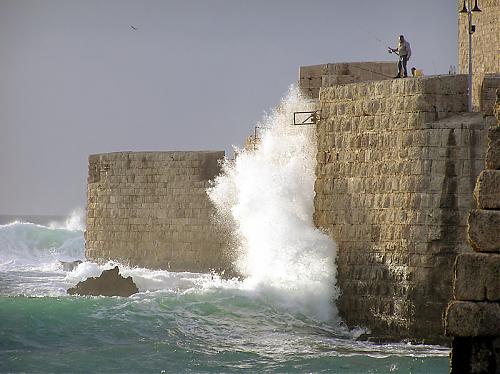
x: 403, y: 60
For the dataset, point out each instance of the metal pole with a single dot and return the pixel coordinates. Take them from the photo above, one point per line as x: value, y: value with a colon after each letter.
x: 469, y: 80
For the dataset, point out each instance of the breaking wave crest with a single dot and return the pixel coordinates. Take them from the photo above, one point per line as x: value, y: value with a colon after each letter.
x: 30, y: 244
x: 266, y: 195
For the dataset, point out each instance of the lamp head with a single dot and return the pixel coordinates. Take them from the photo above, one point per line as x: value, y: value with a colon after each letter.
x: 464, y: 9
x: 476, y: 8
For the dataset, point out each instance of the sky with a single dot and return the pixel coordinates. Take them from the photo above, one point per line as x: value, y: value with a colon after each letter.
x: 77, y: 79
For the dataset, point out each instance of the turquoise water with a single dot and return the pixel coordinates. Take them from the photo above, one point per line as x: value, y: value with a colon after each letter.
x: 179, y: 322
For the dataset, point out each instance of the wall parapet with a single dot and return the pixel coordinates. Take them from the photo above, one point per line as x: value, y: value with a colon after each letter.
x: 418, y: 101
x: 313, y: 78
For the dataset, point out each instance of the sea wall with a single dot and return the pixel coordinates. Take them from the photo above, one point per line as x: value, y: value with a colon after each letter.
x: 485, y: 42
x: 473, y: 317
x: 397, y: 164
x: 150, y: 209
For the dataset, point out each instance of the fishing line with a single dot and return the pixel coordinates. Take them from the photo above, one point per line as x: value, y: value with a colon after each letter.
x: 371, y: 71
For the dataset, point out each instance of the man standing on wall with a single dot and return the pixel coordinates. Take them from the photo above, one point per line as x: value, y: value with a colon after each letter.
x: 403, y: 50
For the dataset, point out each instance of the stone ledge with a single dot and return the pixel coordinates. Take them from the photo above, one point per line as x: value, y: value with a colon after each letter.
x: 487, y: 191
x: 484, y: 229
x: 452, y: 86
x: 477, y: 277
x: 471, y: 319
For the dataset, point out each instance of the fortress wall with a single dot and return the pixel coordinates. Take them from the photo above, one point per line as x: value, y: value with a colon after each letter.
x: 312, y: 78
x: 397, y: 162
x: 473, y: 317
x: 150, y: 209
x: 485, y: 42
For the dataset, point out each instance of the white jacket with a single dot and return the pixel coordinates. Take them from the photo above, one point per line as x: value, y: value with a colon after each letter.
x: 404, y: 49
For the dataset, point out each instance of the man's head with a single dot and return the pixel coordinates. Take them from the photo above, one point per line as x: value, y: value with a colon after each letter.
x: 401, y: 38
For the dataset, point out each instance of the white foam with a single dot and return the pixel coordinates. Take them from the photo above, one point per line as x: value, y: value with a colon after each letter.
x: 267, y: 196
x: 33, y: 253
x: 28, y: 244
x: 148, y: 280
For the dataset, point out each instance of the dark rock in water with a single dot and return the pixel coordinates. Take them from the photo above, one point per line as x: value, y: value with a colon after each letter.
x: 69, y: 265
x: 109, y: 283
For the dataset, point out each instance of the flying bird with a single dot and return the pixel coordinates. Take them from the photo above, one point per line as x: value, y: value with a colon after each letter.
x: 133, y: 27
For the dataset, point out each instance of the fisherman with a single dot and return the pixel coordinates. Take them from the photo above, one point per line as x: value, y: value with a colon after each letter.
x: 403, y: 50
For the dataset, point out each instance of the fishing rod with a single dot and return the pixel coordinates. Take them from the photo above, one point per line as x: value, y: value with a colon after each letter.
x: 370, y: 71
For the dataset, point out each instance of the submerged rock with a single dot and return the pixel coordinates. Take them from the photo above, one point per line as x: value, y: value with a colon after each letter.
x: 69, y: 265
x: 109, y: 283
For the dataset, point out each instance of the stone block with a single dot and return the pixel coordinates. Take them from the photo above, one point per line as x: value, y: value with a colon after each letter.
x: 475, y: 355
x: 487, y: 191
x: 496, y: 109
x: 477, y: 277
x: 311, y: 71
x: 490, y: 84
x: 484, y: 230
x: 310, y: 82
x: 493, y: 151
x: 472, y: 319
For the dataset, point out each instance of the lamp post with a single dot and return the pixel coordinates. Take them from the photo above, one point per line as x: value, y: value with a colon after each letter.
x: 467, y: 8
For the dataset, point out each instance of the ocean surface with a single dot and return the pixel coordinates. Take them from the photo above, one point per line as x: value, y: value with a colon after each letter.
x: 281, y: 317
x: 179, y: 322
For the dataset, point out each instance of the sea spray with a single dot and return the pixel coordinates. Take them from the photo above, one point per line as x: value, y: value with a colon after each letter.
x: 267, y: 195
x: 74, y: 222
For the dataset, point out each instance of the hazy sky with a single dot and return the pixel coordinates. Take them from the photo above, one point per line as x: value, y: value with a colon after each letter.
x: 76, y: 79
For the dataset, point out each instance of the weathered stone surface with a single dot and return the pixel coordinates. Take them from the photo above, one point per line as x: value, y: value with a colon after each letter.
x: 150, y: 209
x: 477, y: 277
x: 472, y: 319
x: 487, y: 191
x: 484, y: 230
x: 496, y: 110
x: 476, y: 323
x: 109, y: 283
x: 475, y: 356
x: 397, y: 165
x: 491, y: 83
x: 493, y: 152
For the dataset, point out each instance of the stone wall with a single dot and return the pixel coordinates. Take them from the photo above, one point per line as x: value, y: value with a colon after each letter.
x: 473, y: 318
x: 491, y: 83
x: 312, y: 78
x: 485, y: 42
x: 397, y: 163
x: 150, y: 209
